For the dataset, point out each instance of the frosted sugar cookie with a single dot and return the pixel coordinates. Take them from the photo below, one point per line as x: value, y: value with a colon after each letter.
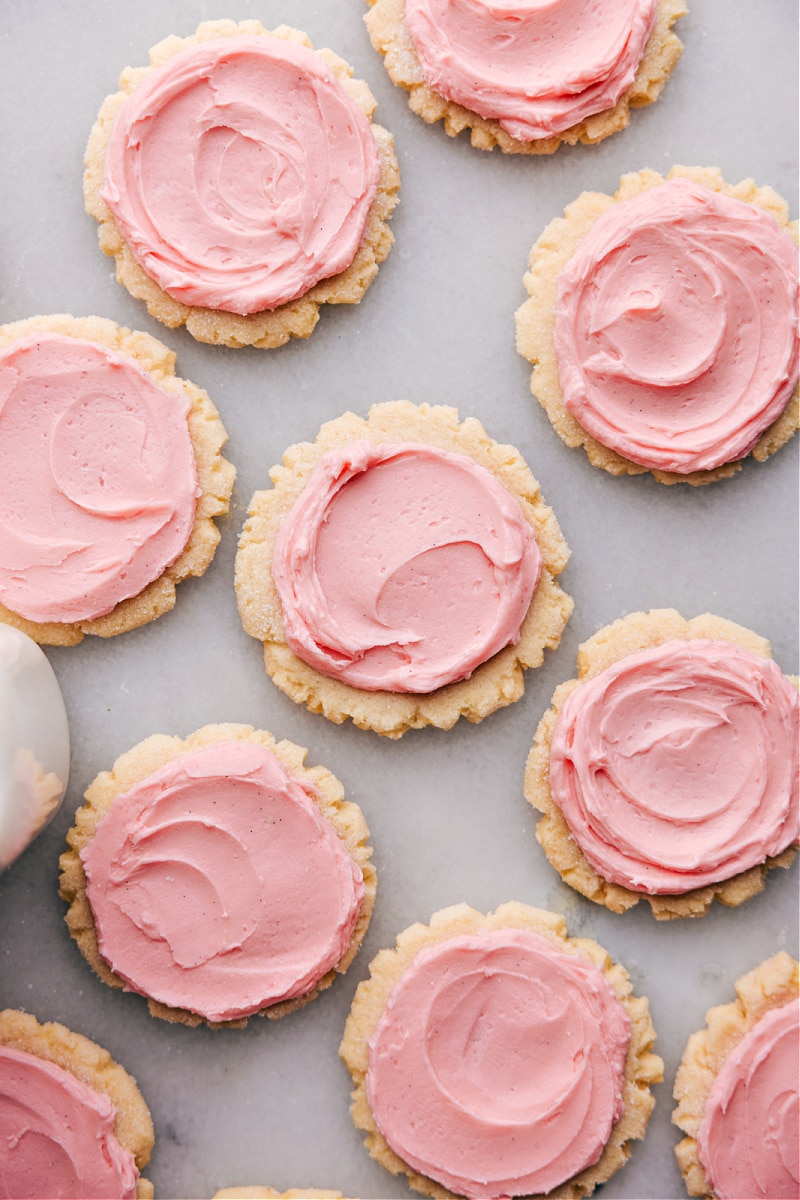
x: 240, y: 184
x: 737, y: 1091
x: 668, y: 770
x: 218, y: 876
x: 663, y: 327
x: 401, y: 571
x: 525, y: 76
x: 494, y: 1056
x: 73, y: 1123
x: 112, y: 475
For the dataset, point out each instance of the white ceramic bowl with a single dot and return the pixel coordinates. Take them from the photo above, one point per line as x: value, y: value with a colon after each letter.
x: 34, y: 743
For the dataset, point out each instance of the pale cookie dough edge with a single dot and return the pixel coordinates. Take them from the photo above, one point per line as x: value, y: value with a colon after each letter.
x: 772, y: 984
x: 495, y: 683
x: 215, y: 476
x: 390, y: 37
x: 143, y: 760
x: 94, y: 1066
x: 631, y: 635
x: 535, y: 319
x: 298, y: 318
x: 642, y: 1067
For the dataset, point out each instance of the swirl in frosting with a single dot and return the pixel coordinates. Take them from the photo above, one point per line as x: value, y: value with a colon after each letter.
x: 497, y: 1067
x: 57, y: 1135
x: 676, y: 328
x: 99, y: 480
x: 748, y: 1141
x: 217, y: 886
x: 677, y: 767
x: 240, y: 174
x: 403, y: 567
x: 536, y: 67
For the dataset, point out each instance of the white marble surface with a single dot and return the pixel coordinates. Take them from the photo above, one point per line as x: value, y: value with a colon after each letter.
x: 446, y: 810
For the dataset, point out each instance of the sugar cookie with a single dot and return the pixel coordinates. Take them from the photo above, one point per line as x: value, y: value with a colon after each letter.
x: 445, y: 1043
x: 737, y: 1091
x: 112, y: 476
x: 687, y: 787
x: 645, y: 325
x: 468, y: 63
x: 389, y: 571
x: 278, y: 192
x: 218, y: 876
x: 68, y: 1094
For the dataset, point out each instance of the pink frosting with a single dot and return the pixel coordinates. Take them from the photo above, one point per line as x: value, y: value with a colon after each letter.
x: 676, y: 327
x: 748, y: 1138
x: 217, y: 886
x: 99, y: 482
x: 497, y: 1067
x: 57, y: 1135
x: 240, y: 174
x: 678, y: 767
x: 403, y: 567
x: 537, y: 66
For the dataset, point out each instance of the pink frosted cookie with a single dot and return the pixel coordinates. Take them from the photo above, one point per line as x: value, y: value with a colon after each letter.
x: 526, y: 76
x: 218, y: 876
x: 668, y: 771
x: 239, y: 183
x: 737, y: 1092
x: 401, y: 571
x: 73, y: 1123
x: 495, y: 1056
x: 112, y: 475
x: 663, y: 325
